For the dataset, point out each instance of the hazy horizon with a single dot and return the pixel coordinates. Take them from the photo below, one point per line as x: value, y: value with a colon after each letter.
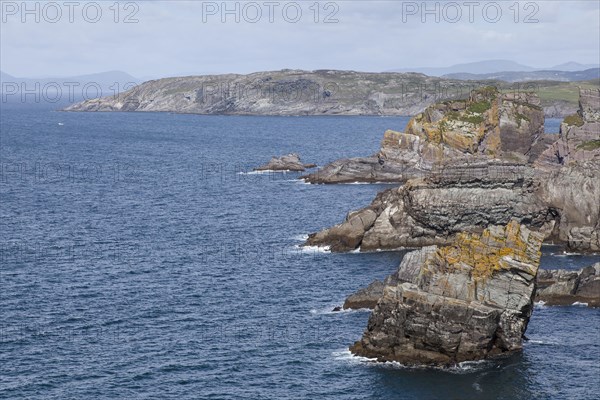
x: 159, y: 39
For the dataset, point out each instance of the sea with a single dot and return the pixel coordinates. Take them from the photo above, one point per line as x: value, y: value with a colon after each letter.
x: 142, y: 258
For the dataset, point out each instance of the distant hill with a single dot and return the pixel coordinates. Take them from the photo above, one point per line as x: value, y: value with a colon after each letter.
x: 65, y: 89
x: 523, y: 76
x: 573, y: 66
x: 493, y: 66
x: 321, y: 92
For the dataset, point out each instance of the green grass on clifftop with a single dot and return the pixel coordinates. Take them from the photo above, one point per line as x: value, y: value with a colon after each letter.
x: 591, y: 145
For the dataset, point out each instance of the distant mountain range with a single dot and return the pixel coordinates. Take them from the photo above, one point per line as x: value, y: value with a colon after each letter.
x: 65, y: 89
x: 494, y: 66
x: 522, y: 76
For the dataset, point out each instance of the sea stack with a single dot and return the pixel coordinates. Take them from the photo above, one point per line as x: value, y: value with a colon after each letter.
x: 467, y: 301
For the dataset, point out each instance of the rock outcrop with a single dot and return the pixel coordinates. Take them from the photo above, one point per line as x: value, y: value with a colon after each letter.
x: 468, y: 193
x: 468, y: 301
x: 486, y: 126
x: 470, y: 197
x: 289, y: 162
x: 563, y: 287
x: 365, y: 297
x: 579, y: 137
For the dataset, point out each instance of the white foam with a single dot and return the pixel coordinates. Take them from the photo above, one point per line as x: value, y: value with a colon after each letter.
x: 469, y: 366
x: 329, y: 311
x: 302, y: 238
x: 540, y: 304
x: 255, y: 172
x: 369, y: 183
x: 347, y: 356
x: 461, y: 368
x: 313, y: 249
x: 577, y: 303
x: 542, y: 342
x: 268, y: 171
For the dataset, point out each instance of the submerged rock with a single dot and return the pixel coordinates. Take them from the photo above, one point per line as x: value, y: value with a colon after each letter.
x: 467, y: 301
x: 289, y: 162
x: 562, y: 287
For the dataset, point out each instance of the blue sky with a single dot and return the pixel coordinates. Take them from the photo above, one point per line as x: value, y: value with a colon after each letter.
x: 167, y: 38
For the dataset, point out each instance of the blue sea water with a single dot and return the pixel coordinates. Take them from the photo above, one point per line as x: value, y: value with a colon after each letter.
x: 141, y: 260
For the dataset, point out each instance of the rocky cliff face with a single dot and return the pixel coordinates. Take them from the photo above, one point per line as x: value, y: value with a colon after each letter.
x: 470, y: 197
x: 488, y: 125
x: 467, y: 301
x: 431, y: 211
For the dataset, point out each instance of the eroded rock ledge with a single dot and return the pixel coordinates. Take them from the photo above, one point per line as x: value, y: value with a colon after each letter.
x: 467, y: 301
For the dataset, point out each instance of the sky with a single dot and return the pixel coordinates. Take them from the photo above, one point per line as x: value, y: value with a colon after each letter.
x: 150, y: 39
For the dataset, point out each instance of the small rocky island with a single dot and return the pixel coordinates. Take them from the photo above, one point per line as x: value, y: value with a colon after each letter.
x: 467, y: 301
x: 289, y: 162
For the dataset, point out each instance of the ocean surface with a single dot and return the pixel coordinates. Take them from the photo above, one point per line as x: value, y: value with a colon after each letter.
x: 140, y: 259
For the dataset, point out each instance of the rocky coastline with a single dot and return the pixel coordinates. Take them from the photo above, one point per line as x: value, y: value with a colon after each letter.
x: 459, y: 181
x: 298, y: 92
x: 482, y: 187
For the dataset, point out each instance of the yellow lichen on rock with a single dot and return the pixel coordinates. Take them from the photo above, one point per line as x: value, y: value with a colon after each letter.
x: 484, y: 253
